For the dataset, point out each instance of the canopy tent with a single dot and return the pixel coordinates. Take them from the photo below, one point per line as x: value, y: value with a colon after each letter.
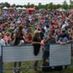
x: 11, y: 8
x: 60, y: 9
x: 20, y: 8
x: 5, y: 8
x: 23, y: 8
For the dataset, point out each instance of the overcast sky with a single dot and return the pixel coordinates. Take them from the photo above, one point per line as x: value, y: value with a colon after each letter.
x: 22, y: 2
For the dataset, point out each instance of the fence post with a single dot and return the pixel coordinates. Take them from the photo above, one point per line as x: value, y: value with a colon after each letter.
x: 1, y: 60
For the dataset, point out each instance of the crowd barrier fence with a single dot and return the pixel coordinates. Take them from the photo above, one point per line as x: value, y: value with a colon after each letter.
x: 59, y: 55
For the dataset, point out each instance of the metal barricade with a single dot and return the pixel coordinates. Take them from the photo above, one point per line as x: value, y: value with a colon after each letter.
x: 23, y: 54
x: 59, y: 55
x: 1, y: 59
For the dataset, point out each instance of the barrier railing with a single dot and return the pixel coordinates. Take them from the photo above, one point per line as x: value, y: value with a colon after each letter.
x: 60, y: 55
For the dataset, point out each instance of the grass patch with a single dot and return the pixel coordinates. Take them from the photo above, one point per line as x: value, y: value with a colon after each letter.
x: 27, y: 67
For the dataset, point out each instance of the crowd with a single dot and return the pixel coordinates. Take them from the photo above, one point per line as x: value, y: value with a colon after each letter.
x: 18, y: 27
x: 39, y: 28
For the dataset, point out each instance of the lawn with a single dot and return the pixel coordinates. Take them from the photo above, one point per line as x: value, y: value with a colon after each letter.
x: 27, y: 67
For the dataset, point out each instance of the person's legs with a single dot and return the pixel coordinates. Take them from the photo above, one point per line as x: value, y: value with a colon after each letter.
x: 19, y: 67
x: 36, y: 52
x: 45, y: 65
x: 35, y: 65
x: 15, y: 66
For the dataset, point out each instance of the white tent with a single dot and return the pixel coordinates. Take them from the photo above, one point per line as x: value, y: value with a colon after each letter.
x: 20, y: 8
x: 5, y: 8
x: 23, y: 8
x: 60, y: 9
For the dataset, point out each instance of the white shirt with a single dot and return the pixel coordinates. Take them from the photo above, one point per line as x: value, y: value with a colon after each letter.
x: 2, y: 42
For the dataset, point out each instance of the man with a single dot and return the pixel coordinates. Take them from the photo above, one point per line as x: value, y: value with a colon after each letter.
x: 2, y: 42
x: 36, y: 46
x: 63, y: 37
x: 47, y: 41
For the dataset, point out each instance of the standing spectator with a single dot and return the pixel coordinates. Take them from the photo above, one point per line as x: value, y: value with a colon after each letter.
x: 63, y: 37
x: 7, y: 38
x: 18, y: 41
x: 47, y: 41
x: 2, y: 42
x: 36, y: 46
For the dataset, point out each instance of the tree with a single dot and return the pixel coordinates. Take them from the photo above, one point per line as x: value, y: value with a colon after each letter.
x: 46, y: 6
x: 65, y: 5
x: 28, y: 5
x: 6, y: 4
x: 39, y: 6
x: 32, y: 5
x: 58, y: 6
x: 50, y: 6
x: 13, y: 5
x: 71, y: 4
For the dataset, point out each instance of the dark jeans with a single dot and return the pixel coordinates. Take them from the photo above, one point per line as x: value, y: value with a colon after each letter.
x: 35, y: 65
x: 36, y: 49
x: 45, y: 65
x: 1, y: 65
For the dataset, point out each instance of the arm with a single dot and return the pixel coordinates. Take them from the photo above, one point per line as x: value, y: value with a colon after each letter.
x: 36, y: 42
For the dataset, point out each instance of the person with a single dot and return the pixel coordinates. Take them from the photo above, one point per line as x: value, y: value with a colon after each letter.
x: 2, y: 42
x: 36, y: 46
x: 47, y: 41
x: 18, y: 38
x: 7, y: 38
x: 63, y: 37
x: 28, y: 38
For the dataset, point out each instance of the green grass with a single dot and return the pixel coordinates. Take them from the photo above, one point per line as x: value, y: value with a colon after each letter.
x: 28, y: 68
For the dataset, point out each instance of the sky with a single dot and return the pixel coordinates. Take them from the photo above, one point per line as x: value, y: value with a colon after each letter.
x: 22, y: 2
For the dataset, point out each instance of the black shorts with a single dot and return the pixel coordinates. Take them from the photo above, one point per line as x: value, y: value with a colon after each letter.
x: 36, y: 49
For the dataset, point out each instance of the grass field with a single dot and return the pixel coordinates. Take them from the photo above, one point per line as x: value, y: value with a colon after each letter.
x: 27, y: 67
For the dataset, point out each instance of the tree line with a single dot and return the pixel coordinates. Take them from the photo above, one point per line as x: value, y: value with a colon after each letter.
x: 50, y: 6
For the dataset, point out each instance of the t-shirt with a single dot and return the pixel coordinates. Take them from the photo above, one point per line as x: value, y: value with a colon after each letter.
x: 2, y: 42
x: 63, y: 37
x: 19, y: 37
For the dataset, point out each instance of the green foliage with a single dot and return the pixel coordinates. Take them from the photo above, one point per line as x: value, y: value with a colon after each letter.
x: 65, y: 5
x: 50, y: 6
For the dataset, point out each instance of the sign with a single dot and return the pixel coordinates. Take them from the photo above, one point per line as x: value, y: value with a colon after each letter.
x: 60, y: 55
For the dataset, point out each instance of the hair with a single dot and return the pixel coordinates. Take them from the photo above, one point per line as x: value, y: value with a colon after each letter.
x: 20, y: 28
x: 36, y: 34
